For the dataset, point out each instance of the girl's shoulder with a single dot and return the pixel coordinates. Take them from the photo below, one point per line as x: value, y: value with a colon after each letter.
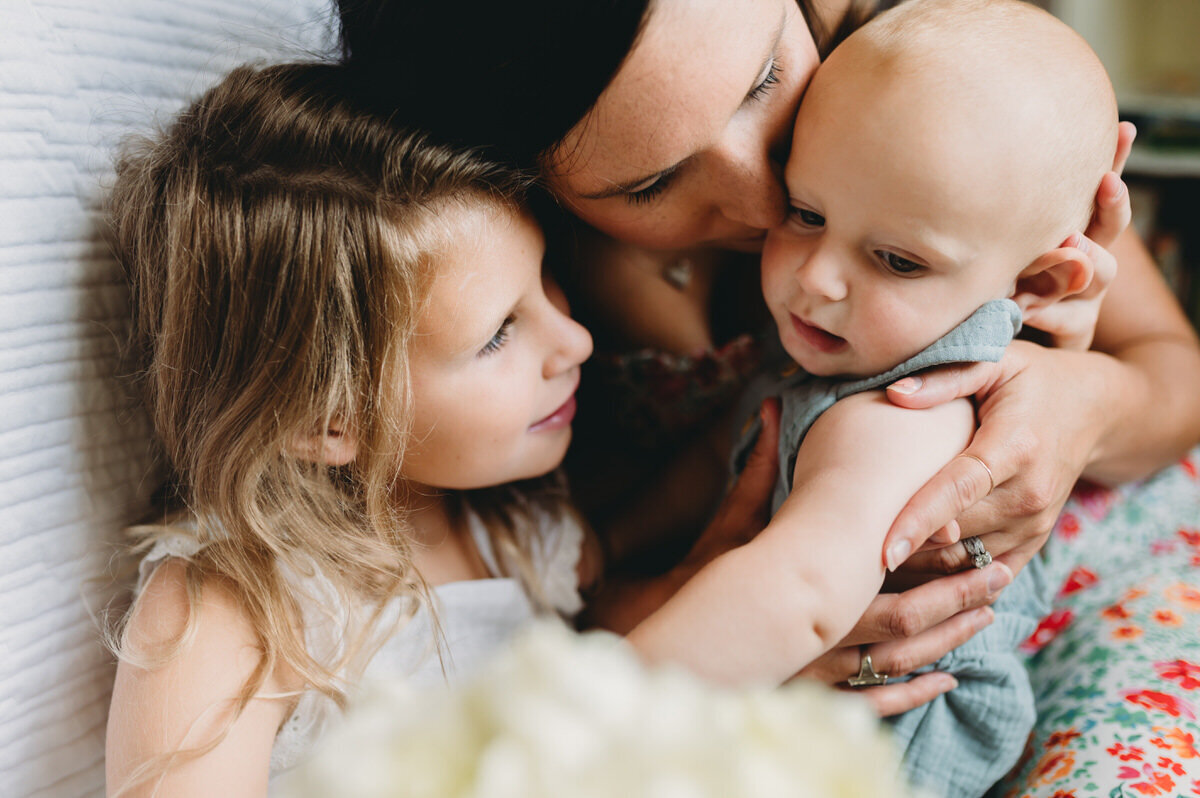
x: 193, y: 649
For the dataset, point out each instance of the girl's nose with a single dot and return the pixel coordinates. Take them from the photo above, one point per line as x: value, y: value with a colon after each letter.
x: 572, y: 341
x: 574, y: 345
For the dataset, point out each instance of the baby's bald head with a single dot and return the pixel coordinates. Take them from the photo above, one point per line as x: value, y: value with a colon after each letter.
x: 1002, y: 90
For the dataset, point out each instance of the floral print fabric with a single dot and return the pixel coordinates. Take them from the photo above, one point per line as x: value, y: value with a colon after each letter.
x: 1116, y: 665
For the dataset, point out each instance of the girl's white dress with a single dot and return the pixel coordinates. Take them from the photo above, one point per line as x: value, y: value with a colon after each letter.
x: 474, y: 617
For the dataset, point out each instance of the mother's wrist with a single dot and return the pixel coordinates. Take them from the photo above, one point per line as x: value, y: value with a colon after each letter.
x: 1122, y: 401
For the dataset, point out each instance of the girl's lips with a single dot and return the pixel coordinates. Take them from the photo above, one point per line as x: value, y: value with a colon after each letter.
x: 816, y: 337
x: 560, y: 418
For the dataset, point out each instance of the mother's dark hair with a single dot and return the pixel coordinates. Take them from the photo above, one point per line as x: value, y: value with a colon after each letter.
x: 510, y: 77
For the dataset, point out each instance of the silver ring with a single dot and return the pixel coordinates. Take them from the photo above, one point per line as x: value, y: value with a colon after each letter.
x: 867, y: 677
x: 979, y: 554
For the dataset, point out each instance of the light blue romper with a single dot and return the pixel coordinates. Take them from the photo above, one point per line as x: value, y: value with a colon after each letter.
x: 962, y: 742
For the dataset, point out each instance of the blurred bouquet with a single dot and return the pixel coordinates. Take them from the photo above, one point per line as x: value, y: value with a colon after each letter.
x: 560, y: 715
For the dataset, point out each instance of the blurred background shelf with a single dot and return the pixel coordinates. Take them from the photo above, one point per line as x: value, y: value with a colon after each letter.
x: 1151, y: 49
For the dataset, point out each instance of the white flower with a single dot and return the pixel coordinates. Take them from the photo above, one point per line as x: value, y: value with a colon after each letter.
x: 560, y: 715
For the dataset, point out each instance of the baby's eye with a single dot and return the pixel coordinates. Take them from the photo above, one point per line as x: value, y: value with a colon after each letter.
x: 899, y: 265
x: 498, y: 339
x: 806, y: 218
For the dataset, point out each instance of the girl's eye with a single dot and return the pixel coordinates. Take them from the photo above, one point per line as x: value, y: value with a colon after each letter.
x: 498, y: 339
x: 899, y: 265
x: 769, y: 81
x: 650, y: 192
x: 807, y: 218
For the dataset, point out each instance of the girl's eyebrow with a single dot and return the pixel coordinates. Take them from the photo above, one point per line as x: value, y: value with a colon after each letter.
x: 628, y: 186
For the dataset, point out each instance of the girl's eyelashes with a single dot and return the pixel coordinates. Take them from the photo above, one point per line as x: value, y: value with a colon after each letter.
x: 768, y: 81
x: 899, y: 265
x: 498, y: 339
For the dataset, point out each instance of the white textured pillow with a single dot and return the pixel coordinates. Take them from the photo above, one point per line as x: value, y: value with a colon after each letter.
x: 75, y: 76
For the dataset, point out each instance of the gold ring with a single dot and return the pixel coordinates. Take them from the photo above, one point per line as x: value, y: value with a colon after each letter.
x: 991, y: 478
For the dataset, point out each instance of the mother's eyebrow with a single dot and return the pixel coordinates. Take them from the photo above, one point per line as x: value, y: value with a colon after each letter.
x: 628, y: 186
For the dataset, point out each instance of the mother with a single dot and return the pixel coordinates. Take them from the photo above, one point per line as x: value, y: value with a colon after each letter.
x: 662, y: 124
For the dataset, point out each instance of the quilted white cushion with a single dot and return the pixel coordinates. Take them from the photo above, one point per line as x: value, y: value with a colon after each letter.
x: 75, y: 75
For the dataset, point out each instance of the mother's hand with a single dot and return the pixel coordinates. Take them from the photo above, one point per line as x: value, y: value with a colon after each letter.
x: 1071, y: 322
x: 1035, y: 438
x: 906, y: 631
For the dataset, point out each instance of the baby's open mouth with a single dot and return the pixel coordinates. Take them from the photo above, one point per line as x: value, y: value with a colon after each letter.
x: 817, y: 338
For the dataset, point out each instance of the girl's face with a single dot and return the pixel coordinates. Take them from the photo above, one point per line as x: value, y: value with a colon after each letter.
x: 495, y: 362
x: 686, y: 145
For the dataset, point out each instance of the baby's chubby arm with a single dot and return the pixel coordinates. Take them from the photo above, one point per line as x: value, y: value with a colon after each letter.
x: 762, y: 611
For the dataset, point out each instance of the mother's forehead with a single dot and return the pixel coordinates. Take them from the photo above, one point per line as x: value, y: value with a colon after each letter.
x: 686, y: 76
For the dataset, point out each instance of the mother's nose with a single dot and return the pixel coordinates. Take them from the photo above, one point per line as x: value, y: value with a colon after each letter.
x: 750, y: 180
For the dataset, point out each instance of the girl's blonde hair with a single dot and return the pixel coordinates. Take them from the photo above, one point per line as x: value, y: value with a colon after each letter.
x: 278, y: 243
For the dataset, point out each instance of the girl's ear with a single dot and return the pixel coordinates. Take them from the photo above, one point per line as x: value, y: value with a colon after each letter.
x: 335, y: 446
x: 1054, y: 276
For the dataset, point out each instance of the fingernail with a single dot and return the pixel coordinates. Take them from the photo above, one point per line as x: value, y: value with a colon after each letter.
x: 999, y: 577
x: 897, y: 554
x: 906, y: 386
x: 1120, y: 192
x: 1073, y: 240
x: 951, y: 682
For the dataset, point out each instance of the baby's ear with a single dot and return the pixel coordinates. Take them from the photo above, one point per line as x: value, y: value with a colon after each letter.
x: 335, y: 446
x: 1053, y: 276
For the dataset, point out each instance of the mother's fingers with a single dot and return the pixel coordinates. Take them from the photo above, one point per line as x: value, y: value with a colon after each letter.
x: 961, y: 483
x: 1112, y: 211
x: 943, y: 384
x: 896, y: 699
x: 1015, y: 549
x: 1126, y: 133
x: 896, y: 616
x: 901, y: 657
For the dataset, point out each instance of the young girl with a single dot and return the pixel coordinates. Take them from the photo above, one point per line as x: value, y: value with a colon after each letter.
x: 358, y: 373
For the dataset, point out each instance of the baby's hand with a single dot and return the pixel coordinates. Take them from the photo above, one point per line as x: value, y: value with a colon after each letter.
x: 1071, y: 321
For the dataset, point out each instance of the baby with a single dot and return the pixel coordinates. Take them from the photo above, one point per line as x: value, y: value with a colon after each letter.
x: 940, y: 158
